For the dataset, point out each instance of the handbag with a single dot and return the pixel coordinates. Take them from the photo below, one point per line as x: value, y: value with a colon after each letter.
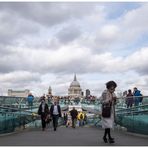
x: 48, y: 119
x: 106, y: 110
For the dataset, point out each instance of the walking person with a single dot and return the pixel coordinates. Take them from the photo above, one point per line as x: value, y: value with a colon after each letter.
x: 108, y: 100
x: 55, y: 111
x: 30, y: 99
x: 65, y: 118
x: 74, y: 114
x: 81, y: 119
x: 44, y: 112
x: 68, y: 123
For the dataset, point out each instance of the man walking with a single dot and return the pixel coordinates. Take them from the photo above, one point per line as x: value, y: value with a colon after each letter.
x: 55, y: 111
x: 44, y: 112
x: 74, y: 114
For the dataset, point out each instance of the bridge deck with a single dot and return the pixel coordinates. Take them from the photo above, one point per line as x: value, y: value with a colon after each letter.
x: 81, y: 136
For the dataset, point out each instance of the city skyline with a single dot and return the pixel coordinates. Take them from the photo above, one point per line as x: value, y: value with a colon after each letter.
x: 99, y: 41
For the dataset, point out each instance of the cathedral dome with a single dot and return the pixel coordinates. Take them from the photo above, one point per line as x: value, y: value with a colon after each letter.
x: 74, y: 89
x: 74, y: 84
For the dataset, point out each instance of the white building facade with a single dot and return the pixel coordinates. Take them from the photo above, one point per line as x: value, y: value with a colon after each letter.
x: 18, y: 93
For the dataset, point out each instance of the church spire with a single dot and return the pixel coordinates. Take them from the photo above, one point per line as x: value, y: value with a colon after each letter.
x: 75, y: 78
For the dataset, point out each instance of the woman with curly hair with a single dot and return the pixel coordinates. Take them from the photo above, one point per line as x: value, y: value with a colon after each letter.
x: 108, y: 99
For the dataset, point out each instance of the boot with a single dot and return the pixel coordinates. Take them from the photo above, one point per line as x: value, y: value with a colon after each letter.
x: 105, y: 139
x: 111, y: 140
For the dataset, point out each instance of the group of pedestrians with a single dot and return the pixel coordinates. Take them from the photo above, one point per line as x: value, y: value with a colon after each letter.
x: 47, y: 114
x: 70, y: 118
x: 133, y: 98
x: 74, y: 117
x: 108, y: 97
x: 108, y: 100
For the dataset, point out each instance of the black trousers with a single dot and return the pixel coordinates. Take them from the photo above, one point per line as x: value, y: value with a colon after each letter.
x: 107, y: 132
x: 43, y: 117
x: 74, y: 122
x: 55, y: 121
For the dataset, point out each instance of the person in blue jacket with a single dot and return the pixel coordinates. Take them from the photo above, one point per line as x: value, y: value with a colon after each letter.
x: 30, y: 99
x: 137, y: 96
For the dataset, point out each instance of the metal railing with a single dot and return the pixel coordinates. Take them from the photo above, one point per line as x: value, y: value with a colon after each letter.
x: 135, y: 119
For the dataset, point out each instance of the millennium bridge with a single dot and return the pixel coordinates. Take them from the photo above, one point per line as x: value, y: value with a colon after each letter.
x: 20, y: 125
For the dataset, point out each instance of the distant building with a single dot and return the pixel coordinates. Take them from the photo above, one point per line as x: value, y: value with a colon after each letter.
x: 18, y: 93
x: 82, y: 93
x: 75, y: 89
x: 87, y: 92
x: 49, y: 91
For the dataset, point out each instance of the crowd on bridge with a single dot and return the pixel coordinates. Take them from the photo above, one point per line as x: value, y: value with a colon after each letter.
x: 70, y: 118
x: 74, y: 118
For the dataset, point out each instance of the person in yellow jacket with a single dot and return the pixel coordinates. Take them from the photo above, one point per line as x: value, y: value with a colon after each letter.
x: 81, y: 118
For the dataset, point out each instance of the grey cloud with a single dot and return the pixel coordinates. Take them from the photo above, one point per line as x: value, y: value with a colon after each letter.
x: 44, y: 13
x: 70, y: 67
x: 68, y: 34
x: 4, y: 50
x: 143, y: 70
x: 54, y: 44
x: 13, y: 28
x: 12, y: 62
x: 19, y: 78
x: 6, y: 68
x: 20, y: 20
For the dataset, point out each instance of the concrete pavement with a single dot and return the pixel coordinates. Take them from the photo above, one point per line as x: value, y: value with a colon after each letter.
x: 81, y: 136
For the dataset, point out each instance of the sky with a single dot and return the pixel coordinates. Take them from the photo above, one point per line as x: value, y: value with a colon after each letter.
x: 44, y: 44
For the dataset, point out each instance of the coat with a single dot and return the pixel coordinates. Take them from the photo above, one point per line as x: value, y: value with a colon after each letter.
x: 46, y: 109
x: 59, y: 110
x: 74, y: 113
x: 138, y: 97
x: 106, y: 98
x: 30, y: 98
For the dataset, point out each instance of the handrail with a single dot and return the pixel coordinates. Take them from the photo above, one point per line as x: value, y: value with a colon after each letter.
x: 132, y: 108
x: 135, y: 97
x: 16, y: 109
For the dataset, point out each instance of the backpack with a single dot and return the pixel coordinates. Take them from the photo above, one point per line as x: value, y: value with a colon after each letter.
x: 81, y: 116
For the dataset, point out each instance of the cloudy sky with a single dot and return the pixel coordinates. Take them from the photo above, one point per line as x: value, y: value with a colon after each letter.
x: 44, y: 44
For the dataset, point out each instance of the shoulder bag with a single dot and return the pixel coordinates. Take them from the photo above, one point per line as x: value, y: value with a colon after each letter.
x: 106, y: 110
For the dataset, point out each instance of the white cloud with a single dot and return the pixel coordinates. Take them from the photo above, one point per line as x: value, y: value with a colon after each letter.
x: 133, y: 24
x: 109, y: 32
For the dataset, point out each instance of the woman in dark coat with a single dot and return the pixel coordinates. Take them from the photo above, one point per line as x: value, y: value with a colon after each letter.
x: 43, y: 111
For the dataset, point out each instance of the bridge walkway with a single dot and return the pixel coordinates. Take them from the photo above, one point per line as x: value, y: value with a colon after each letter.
x: 81, y: 136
